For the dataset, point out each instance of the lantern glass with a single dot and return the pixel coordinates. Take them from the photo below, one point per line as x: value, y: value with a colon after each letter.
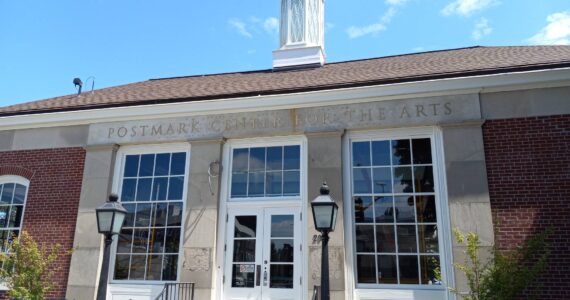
x: 118, y: 222
x: 323, y: 215
x: 104, y: 220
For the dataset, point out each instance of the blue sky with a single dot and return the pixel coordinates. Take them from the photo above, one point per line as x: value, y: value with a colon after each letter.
x: 45, y: 44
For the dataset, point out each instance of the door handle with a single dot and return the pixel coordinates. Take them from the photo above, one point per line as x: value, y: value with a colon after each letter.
x: 265, y: 277
x: 258, y: 273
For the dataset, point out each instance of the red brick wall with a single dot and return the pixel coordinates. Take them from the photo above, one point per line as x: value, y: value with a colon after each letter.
x: 53, y: 198
x: 528, y: 166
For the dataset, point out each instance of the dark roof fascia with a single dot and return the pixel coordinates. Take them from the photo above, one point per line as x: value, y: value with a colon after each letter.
x: 419, y: 78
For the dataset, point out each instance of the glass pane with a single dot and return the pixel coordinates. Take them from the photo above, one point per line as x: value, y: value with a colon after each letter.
x: 128, y: 190
x: 275, y: 158
x: 244, y: 250
x: 147, y: 165
x: 174, y: 214
x: 7, y: 193
x: 138, y: 263
x: 178, y: 163
x: 422, y: 151
x: 256, y: 159
x: 131, y: 165
x: 428, y: 238
x: 239, y: 185
x: 430, y: 269
x: 405, y: 209
x: 143, y: 215
x: 292, y: 158
x: 4, y: 213
x: 364, y: 238
x: 384, y: 209
x: 282, y: 250
x: 239, y: 160
x: 159, y: 188
x: 19, y: 194
x: 408, y: 269
x: 140, y: 240
x: 425, y: 206
x: 282, y: 225
x: 381, y: 153
x: 122, y: 266
x: 382, y: 180
x: 245, y: 226
x: 130, y: 217
x: 162, y: 164
x: 360, y: 154
x: 423, y: 177
x: 125, y: 241
x: 172, y: 240
x: 362, y: 181
x: 154, y: 267
x: 156, y: 240
x: 403, y: 180
x: 169, y: 267
x: 281, y: 277
x: 407, y: 238
x: 401, y: 152
x: 387, y: 269
x: 291, y: 183
x: 159, y: 211
x: 274, y: 183
x: 243, y: 276
x: 363, y: 209
x: 143, y: 189
x: 16, y: 216
x: 366, y: 268
x: 175, y: 188
x: 256, y: 186
x: 385, y: 239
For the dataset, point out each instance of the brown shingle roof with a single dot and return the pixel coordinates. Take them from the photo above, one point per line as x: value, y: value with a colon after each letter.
x: 377, y: 71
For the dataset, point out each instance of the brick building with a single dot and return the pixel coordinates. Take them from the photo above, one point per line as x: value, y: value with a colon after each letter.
x: 217, y: 171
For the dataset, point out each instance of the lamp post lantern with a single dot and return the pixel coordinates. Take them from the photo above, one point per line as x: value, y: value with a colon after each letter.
x: 110, y: 218
x: 324, y: 215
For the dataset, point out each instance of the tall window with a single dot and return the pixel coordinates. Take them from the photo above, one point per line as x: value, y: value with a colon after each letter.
x: 266, y: 172
x: 152, y: 191
x: 13, y: 193
x: 395, y: 217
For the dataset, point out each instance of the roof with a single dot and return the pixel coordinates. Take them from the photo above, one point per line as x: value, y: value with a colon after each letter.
x: 462, y: 62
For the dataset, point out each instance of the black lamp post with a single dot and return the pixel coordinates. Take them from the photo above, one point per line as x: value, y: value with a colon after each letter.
x: 324, y: 215
x: 110, y: 218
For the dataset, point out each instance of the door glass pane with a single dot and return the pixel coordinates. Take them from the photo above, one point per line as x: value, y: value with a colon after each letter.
x: 244, y: 250
x: 281, y: 277
x: 282, y: 226
x: 245, y: 226
x: 282, y: 250
x: 243, y: 276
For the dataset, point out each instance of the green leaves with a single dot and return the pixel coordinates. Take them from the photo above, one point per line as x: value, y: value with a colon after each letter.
x: 507, y: 273
x: 27, y: 268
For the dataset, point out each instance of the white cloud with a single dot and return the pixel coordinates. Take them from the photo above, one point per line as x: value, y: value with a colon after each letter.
x: 372, y: 29
x: 418, y: 49
x: 556, y: 32
x: 482, y: 28
x: 467, y: 7
x: 271, y: 25
x: 240, y: 27
x: 396, y: 2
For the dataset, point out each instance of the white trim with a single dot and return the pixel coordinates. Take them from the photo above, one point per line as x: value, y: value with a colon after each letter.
x: 452, y: 86
x: 355, y: 291
x: 225, y: 204
x: 120, y: 286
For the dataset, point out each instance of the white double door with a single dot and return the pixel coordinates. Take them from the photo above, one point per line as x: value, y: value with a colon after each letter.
x: 263, y: 254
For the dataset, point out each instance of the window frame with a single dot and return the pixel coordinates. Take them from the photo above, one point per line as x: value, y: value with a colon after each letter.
x: 120, y: 161
x: 25, y: 182
x: 399, y: 291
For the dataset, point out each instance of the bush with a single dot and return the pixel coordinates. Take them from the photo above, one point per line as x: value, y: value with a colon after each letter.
x: 27, y: 269
x: 507, y: 273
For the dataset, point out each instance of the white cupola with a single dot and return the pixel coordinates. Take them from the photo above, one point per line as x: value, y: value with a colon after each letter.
x: 301, y: 34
